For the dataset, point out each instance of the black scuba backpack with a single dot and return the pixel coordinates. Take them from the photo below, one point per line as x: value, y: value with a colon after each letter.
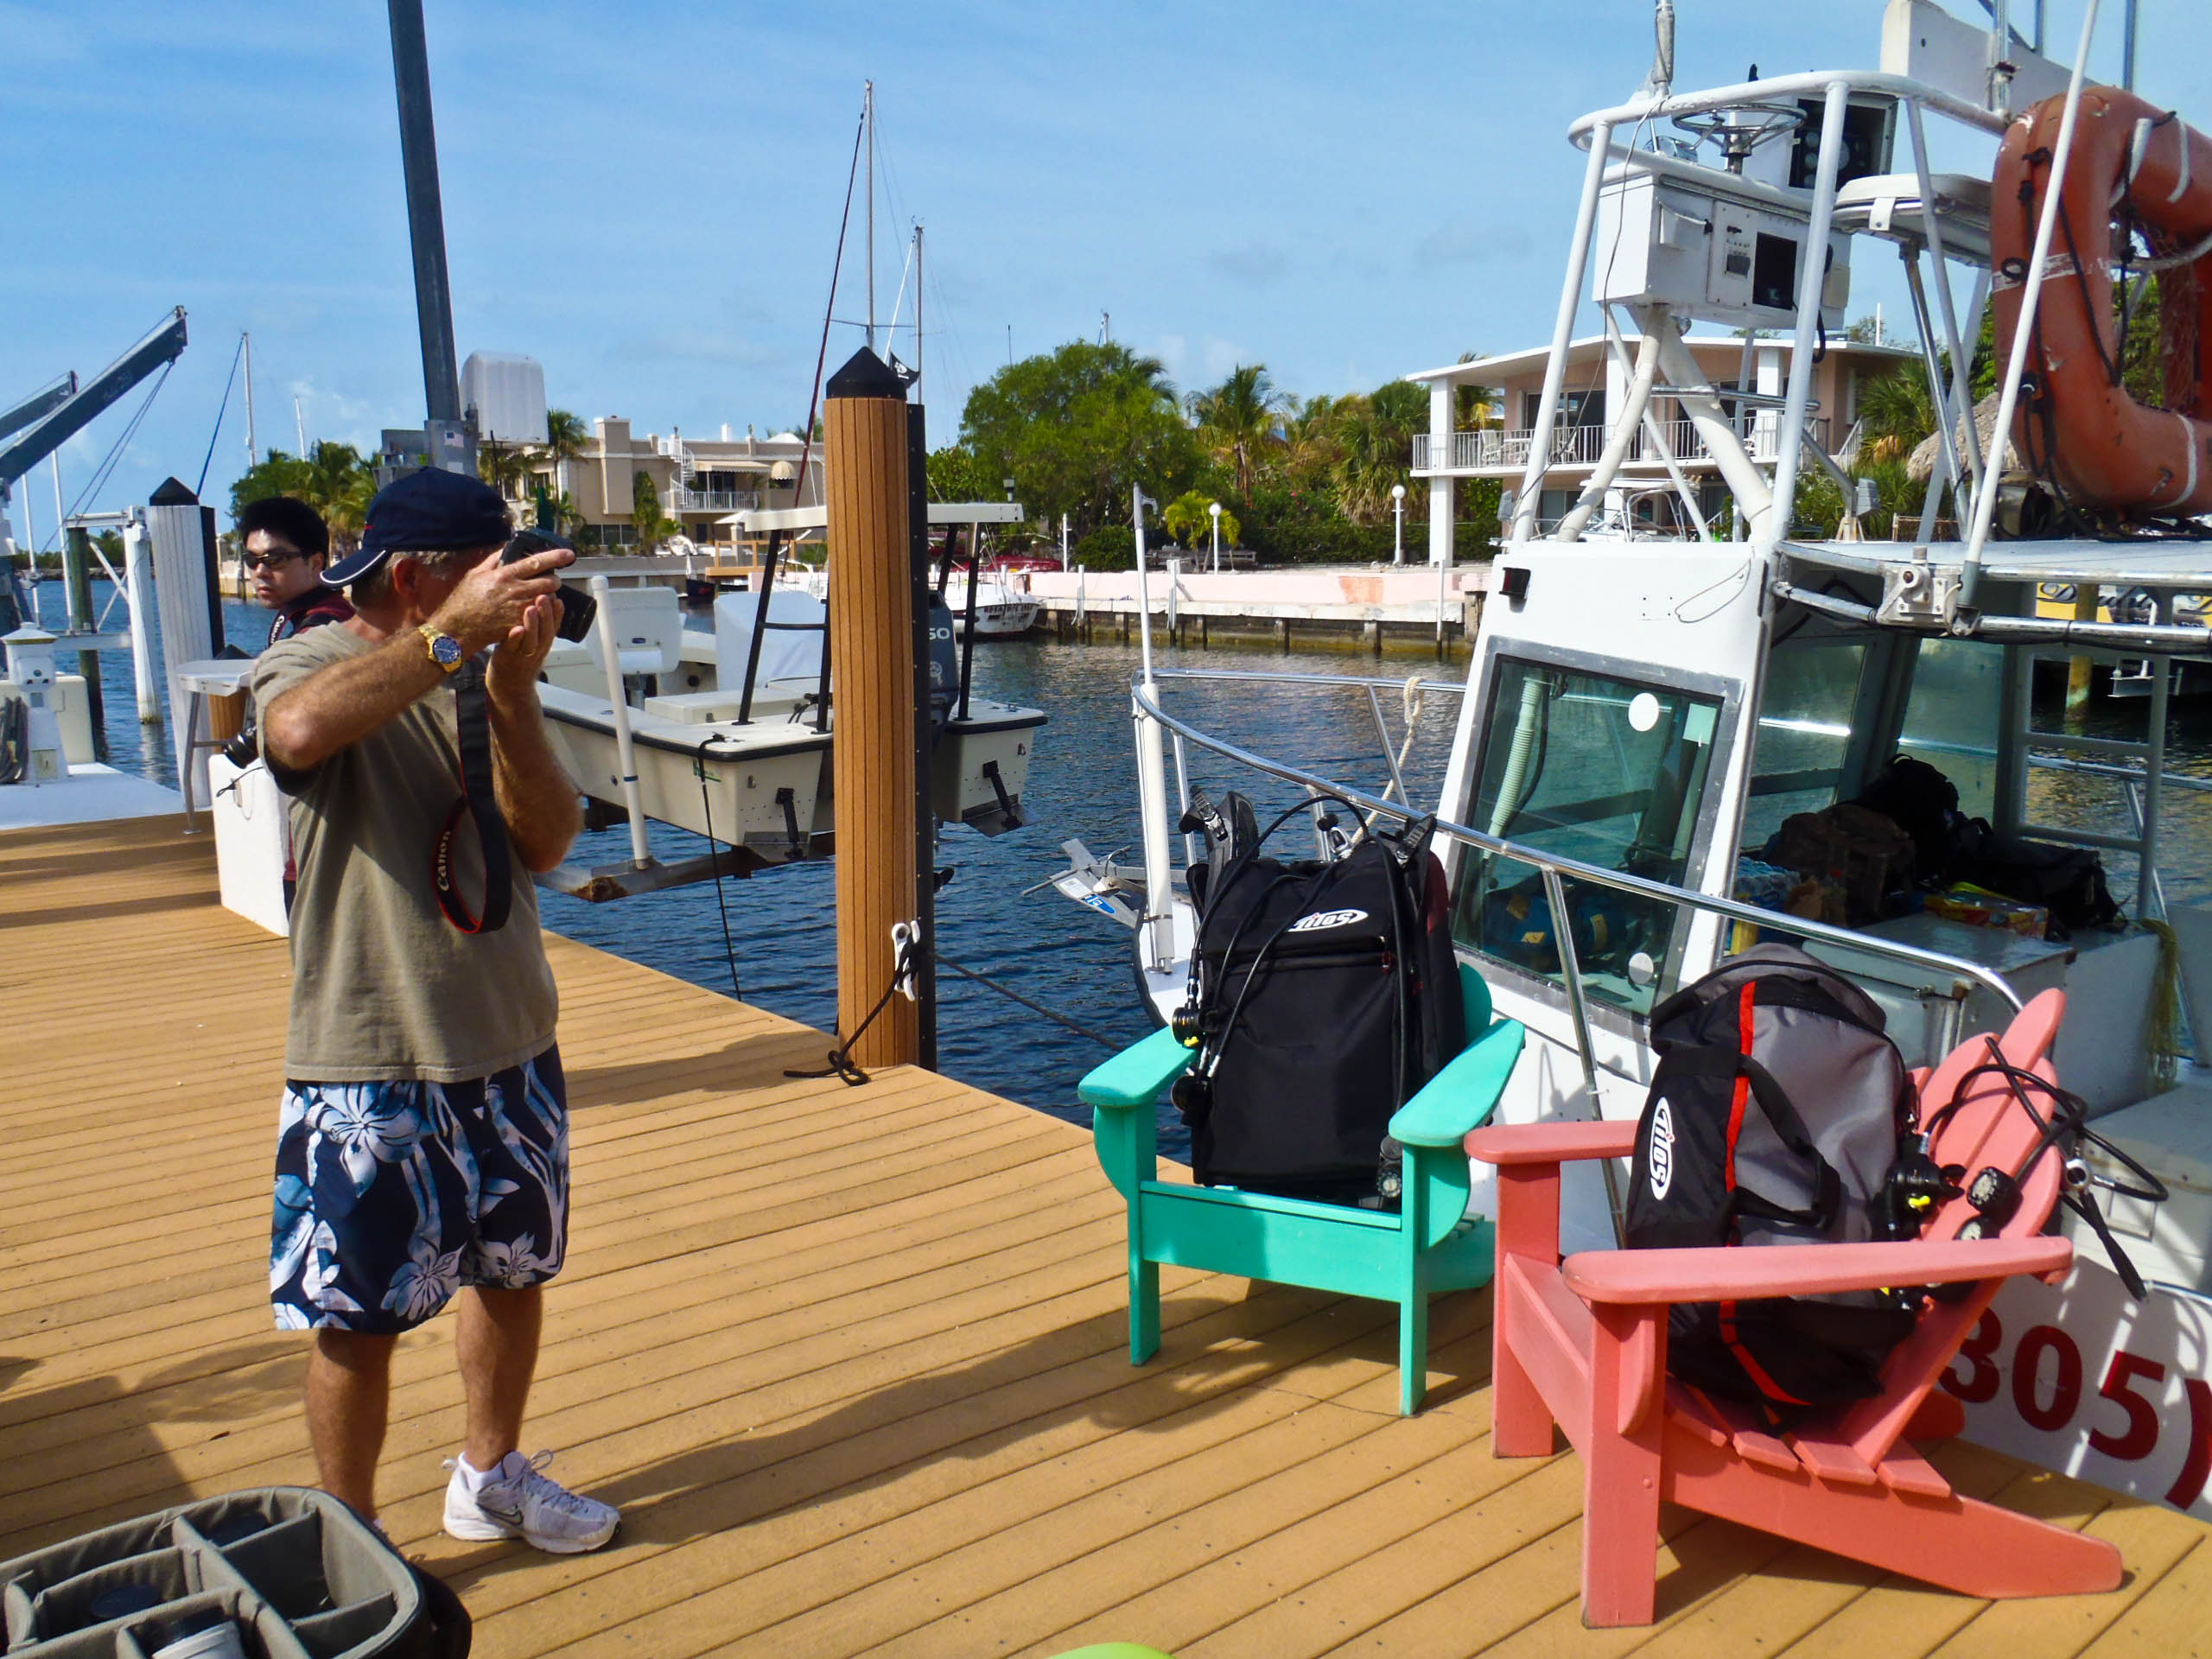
x: 1776, y: 1112
x: 1322, y: 994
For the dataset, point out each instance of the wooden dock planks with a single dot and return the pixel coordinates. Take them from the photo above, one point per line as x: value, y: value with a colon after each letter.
x: 852, y: 1360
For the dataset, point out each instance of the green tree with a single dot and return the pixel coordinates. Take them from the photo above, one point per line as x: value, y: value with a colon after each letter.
x: 645, y: 515
x: 1076, y: 427
x: 335, y: 479
x: 565, y: 435
x: 1239, y: 420
x: 1189, y: 519
x: 956, y: 475
x: 274, y: 473
x: 1374, y: 440
x: 507, y: 468
x: 1897, y: 406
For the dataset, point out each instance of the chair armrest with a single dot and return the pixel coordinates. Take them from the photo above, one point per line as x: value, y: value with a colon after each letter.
x: 1719, y: 1274
x: 1553, y: 1143
x: 1137, y: 1075
x: 1464, y: 1093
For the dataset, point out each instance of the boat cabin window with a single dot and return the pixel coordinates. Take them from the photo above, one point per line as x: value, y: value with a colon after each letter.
x: 1804, y: 728
x: 1604, y: 769
x: 1953, y: 717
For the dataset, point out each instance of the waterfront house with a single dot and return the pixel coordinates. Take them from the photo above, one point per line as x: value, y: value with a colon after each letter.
x: 1643, y: 498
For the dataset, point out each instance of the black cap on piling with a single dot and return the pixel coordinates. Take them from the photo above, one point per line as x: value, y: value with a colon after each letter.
x: 172, y: 493
x: 866, y: 375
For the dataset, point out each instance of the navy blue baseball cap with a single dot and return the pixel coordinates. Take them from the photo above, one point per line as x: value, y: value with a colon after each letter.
x: 428, y: 511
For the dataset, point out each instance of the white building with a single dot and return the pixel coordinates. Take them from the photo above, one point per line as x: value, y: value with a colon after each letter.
x: 1642, y: 495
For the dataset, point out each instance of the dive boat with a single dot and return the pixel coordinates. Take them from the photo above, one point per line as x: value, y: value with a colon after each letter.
x: 1642, y: 718
x: 728, y: 734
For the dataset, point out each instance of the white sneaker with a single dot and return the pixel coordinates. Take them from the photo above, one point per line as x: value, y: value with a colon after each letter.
x: 516, y: 1501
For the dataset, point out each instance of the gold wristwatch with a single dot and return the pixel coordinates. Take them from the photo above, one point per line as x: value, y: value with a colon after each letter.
x: 445, y: 650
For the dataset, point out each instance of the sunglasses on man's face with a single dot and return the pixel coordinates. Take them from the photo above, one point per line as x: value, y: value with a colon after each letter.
x: 269, y: 560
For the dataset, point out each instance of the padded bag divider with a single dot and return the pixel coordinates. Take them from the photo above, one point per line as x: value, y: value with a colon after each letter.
x: 285, y: 1564
x: 299, y: 1556
x: 326, y: 1636
x: 61, y: 1609
x: 262, y: 1632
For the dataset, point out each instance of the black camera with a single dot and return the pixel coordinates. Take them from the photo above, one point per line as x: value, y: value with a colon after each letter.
x: 578, y: 608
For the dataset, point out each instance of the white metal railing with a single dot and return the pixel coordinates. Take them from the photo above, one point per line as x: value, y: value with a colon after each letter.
x: 1579, y: 446
x: 683, y: 498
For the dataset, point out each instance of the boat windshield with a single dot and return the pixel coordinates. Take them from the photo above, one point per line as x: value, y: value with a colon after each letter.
x: 1598, y: 767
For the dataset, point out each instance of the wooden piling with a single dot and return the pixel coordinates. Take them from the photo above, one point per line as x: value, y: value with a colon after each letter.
x: 871, y: 646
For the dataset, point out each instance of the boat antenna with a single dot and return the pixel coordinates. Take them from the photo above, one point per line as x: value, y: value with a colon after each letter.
x: 1661, y: 80
x: 822, y: 354
x: 868, y: 123
x: 918, y: 306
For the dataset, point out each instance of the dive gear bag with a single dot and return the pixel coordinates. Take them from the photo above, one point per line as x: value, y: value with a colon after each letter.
x: 1322, y: 994
x: 1776, y: 1115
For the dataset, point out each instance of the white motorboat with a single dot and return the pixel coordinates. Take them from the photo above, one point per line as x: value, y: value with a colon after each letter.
x: 729, y: 732
x: 1640, y: 716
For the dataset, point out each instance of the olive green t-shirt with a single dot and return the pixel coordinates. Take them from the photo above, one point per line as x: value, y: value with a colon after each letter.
x: 384, y: 987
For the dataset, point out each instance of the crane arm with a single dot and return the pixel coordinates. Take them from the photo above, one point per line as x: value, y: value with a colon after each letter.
x: 38, y: 404
x: 71, y: 416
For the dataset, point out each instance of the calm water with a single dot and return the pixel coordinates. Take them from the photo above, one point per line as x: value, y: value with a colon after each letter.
x: 1081, y: 785
x: 1054, y: 952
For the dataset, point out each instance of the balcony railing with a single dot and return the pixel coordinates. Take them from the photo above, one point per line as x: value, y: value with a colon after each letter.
x: 1580, y: 446
x: 683, y: 498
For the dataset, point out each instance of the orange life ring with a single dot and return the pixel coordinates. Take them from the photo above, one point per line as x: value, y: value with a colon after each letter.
x: 2078, y: 421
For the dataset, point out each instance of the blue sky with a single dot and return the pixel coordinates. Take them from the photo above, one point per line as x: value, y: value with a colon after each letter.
x: 646, y: 197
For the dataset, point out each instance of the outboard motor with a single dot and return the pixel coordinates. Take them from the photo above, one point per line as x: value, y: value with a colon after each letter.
x: 945, y: 667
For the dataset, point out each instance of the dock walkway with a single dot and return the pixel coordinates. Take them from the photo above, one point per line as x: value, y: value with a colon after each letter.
x: 853, y: 1361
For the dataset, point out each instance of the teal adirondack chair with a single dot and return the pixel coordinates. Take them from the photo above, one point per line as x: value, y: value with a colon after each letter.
x: 1426, y: 1248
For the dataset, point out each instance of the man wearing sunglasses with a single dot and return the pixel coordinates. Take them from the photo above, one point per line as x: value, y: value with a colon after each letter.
x: 286, y: 544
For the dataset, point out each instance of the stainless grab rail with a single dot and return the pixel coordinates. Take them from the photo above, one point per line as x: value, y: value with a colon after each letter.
x: 1555, y: 867
x: 1246, y: 676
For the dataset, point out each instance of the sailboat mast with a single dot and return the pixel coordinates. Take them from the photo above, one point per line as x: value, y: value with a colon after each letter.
x: 918, y: 306
x: 867, y: 108
x: 252, y: 449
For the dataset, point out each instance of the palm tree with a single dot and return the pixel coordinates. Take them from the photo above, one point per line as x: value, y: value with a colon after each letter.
x: 565, y: 436
x: 338, y: 484
x: 1897, y: 405
x: 1375, y: 437
x: 1239, y: 418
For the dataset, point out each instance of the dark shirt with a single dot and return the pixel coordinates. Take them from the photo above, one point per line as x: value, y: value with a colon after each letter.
x: 310, y: 610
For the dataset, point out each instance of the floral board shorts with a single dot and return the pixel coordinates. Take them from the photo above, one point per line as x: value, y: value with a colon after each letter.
x: 391, y: 1196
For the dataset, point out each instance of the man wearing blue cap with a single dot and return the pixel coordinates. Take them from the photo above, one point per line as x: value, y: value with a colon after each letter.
x: 423, y: 1141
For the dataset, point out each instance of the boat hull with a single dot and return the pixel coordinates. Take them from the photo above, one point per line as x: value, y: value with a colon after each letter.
x: 724, y: 782
x: 2080, y: 1377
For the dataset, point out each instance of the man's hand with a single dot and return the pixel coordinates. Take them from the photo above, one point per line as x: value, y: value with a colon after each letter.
x: 489, y: 603
x: 512, y: 674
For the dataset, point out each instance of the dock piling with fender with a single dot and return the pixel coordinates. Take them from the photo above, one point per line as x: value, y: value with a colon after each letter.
x: 872, y: 645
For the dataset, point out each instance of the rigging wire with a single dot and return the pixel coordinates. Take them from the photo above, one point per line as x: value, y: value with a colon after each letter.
x: 220, y: 409
x: 115, y: 450
x: 707, y: 813
x: 822, y: 356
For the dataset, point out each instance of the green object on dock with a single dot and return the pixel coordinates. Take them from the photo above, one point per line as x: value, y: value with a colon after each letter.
x: 1426, y: 1248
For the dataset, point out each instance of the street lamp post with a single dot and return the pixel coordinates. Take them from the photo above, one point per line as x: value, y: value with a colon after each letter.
x: 1214, y: 509
x: 1398, y: 513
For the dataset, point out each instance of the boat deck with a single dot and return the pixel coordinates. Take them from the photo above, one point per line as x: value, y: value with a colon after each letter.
x: 852, y: 1360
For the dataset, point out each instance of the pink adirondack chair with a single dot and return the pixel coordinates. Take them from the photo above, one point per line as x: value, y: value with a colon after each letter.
x: 1583, y: 1343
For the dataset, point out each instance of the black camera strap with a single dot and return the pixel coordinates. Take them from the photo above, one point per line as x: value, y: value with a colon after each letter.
x: 479, y: 801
